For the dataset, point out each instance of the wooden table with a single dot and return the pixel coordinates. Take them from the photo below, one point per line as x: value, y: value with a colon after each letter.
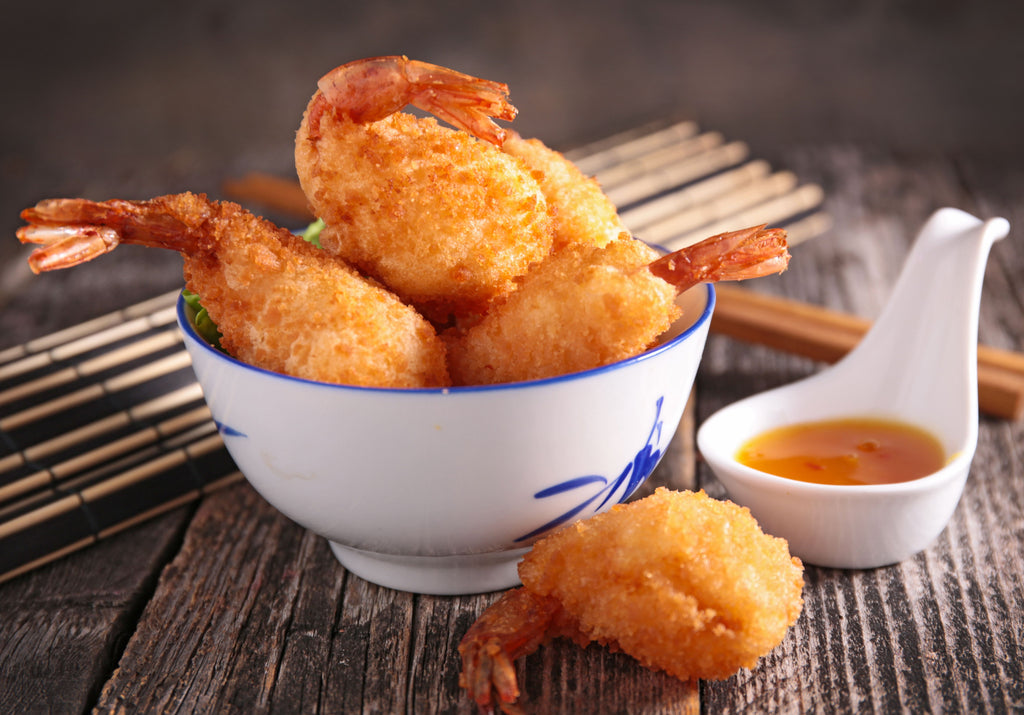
x: 224, y: 605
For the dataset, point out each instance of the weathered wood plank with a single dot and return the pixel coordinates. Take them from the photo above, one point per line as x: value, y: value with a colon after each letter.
x: 63, y: 626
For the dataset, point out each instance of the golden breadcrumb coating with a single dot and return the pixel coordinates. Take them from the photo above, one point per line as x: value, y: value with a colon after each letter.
x: 580, y: 210
x: 682, y: 582
x: 582, y: 308
x: 445, y: 220
x: 280, y: 303
x: 285, y: 305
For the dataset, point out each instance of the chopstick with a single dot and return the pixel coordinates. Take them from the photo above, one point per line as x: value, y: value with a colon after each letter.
x: 272, y: 192
x: 826, y: 336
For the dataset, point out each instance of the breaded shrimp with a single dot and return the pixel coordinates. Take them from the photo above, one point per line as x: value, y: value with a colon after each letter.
x: 588, y: 306
x: 280, y: 303
x: 683, y: 583
x: 579, y: 208
x: 444, y: 219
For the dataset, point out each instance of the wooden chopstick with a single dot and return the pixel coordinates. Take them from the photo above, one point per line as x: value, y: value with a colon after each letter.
x: 826, y: 336
x: 272, y: 192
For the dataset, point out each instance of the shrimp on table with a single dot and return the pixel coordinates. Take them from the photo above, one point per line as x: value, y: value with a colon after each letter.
x: 442, y: 216
x: 280, y: 303
x: 588, y: 306
x: 681, y: 582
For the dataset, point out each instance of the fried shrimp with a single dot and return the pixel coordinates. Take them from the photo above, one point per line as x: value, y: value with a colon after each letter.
x: 446, y: 220
x: 580, y: 210
x: 588, y: 306
x: 683, y: 583
x: 280, y: 303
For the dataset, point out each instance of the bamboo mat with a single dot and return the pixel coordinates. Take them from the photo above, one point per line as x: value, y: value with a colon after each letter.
x: 103, y: 425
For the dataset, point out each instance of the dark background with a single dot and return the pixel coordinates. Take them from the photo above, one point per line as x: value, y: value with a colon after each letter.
x: 128, y: 99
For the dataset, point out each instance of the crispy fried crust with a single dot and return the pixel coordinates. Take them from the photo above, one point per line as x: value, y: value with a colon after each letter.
x: 287, y: 306
x: 446, y: 221
x: 582, y: 308
x: 580, y: 210
x: 681, y: 582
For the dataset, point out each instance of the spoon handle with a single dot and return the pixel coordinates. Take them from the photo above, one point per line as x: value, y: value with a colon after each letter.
x: 827, y: 335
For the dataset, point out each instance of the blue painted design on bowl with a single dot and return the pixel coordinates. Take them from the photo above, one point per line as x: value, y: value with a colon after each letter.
x: 228, y: 431
x: 632, y: 475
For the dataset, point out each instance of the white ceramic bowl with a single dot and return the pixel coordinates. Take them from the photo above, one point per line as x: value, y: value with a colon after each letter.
x: 442, y: 490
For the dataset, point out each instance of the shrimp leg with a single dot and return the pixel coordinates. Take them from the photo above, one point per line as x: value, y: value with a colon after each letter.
x: 280, y: 303
x: 513, y: 627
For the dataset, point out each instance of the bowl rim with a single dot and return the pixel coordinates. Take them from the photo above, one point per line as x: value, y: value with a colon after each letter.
x: 188, y: 328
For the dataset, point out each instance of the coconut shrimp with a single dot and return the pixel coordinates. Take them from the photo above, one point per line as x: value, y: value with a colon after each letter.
x: 681, y: 582
x: 588, y: 306
x: 441, y: 216
x: 280, y: 303
x: 580, y: 211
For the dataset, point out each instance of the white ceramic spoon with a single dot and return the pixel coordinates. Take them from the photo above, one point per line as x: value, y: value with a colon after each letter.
x: 917, y: 364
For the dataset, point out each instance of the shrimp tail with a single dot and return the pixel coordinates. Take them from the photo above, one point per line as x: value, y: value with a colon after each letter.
x: 73, y: 231
x: 731, y: 256
x: 513, y: 627
x: 368, y: 90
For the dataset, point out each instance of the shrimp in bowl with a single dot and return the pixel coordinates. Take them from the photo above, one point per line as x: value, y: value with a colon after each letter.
x: 279, y: 302
x: 439, y: 214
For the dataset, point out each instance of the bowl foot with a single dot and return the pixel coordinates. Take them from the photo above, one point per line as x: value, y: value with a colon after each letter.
x: 435, y: 575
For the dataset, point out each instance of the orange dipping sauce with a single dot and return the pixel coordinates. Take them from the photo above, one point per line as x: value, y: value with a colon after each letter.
x: 852, y: 451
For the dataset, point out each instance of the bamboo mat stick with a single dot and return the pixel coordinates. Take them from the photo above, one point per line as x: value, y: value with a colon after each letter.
x: 646, y: 163
x: 684, y: 171
x: 21, y: 552
x: 772, y: 212
x: 46, y: 342
x: 713, y: 187
x: 52, y: 476
x: 32, y: 500
x: 99, y: 339
x: 826, y: 336
x: 118, y: 383
x: 119, y: 420
x: 593, y: 157
x: 94, y: 366
x: 718, y: 212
